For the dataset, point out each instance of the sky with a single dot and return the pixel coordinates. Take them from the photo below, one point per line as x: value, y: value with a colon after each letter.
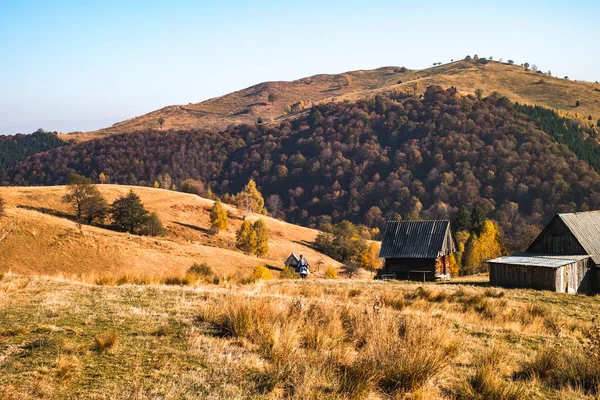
x: 83, y: 65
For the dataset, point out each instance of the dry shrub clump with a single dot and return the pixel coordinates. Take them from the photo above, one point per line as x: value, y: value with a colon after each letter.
x: 486, y: 382
x: 313, y: 346
x: 106, y: 342
x: 260, y: 272
x: 288, y: 273
x: 331, y: 273
x: 68, y: 367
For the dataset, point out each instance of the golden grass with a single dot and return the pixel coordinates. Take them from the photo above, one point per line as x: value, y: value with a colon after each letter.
x: 245, y: 106
x: 293, y: 339
x: 55, y: 246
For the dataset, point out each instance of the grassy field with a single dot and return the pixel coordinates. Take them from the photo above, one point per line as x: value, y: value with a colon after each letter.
x: 38, y: 238
x: 331, y: 339
x: 245, y: 106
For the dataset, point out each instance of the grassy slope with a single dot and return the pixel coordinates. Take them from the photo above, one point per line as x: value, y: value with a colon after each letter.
x: 39, y: 243
x: 164, y: 349
x: 219, y: 112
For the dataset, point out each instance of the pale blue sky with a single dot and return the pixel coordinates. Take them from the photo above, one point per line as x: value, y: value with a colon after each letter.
x: 81, y: 65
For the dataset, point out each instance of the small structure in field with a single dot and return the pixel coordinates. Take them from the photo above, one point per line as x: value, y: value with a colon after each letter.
x: 417, y: 250
x: 292, y: 261
x: 563, y: 258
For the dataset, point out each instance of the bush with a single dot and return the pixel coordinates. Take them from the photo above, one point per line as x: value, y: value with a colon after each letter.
x: 331, y: 273
x: 288, y: 273
x: 153, y: 226
x: 194, y: 187
x: 1, y: 207
x: 106, y: 342
x: 202, y: 269
x: 260, y: 272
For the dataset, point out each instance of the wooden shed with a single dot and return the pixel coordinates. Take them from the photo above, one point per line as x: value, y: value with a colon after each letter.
x: 563, y: 258
x: 417, y: 250
x: 565, y: 274
x: 292, y: 261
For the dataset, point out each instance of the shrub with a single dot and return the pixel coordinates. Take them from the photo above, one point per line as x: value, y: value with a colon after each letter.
x: 153, y: 226
x: 106, y: 342
x: 331, y: 273
x: 177, y: 280
x: 261, y: 272
x: 288, y: 273
x: 218, y: 217
x: 67, y: 367
x: 202, y: 269
x: 194, y: 187
x: 1, y: 207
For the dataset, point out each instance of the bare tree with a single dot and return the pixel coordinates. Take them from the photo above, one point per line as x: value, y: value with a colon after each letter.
x: 274, y: 205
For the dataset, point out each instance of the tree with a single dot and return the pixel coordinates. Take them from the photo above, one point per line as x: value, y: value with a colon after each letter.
x: 369, y: 258
x: 534, y: 67
x: 511, y: 62
x: 128, y: 212
x: 102, y: 178
x: 250, y: 199
x: 478, y: 218
x: 566, y: 78
x: 598, y: 123
x: 2, y: 211
x: 262, y: 238
x: 164, y: 180
x: 193, y: 186
x: 463, y: 220
x: 152, y: 226
x: 161, y: 122
x: 272, y: 97
x: 274, y: 205
x: 478, y: 93
x: 343, y: 243
x: 577, y: 103
x: 85, y: 199
x: 526, y: 65
x: 245, y: 238
x: 218, y: 217
x: 549, y: 73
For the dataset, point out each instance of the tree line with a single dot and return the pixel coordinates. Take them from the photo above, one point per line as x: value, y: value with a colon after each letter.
x: 388, y: 157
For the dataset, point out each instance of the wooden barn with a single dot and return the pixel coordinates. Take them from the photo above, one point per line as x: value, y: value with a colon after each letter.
x: 417, y: 250
x: 563, y: 258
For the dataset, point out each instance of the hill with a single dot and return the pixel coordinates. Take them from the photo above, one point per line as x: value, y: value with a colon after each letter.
x: 274, y: 101
x: 37, y: 239
x: 389, y: 157
x: 292, y: 339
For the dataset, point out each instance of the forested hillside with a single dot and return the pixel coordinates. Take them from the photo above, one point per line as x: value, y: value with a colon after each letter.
x: 15, y: 148
x: 383, y: 158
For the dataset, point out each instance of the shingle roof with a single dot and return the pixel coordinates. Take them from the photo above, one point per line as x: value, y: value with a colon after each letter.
x: 585, y: 226
x: 417, y: 239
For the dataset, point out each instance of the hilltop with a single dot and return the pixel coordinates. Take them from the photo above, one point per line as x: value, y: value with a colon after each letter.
x: 274, y: 101
x: 37, y: 239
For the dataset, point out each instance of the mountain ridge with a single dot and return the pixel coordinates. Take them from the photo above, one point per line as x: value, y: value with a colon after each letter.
x: 292, y: 98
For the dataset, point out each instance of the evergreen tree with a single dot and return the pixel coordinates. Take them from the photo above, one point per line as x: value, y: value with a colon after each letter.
x: 246, y: 238
x: 218, y: 217
x: 262, y: 238
x: 478, y: 218
x: 87, y: 202
x: 128, y: 213
x: 463, y: 220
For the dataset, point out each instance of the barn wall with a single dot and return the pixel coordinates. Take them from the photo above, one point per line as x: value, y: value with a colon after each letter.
x: 556, y: 238
x: 409, y: 268
x: 526, y: 276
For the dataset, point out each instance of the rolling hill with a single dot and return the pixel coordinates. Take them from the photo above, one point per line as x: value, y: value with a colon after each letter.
x: 292, y: 98
x: 36, y: 239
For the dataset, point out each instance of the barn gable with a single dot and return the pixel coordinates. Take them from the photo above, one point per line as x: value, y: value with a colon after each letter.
x: 417, y: 239
x: 572, y: 234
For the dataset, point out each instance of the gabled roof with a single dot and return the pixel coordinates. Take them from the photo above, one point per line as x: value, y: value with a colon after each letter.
x: 292, y: 260
x: 417, y: 239
x: 585, y: 226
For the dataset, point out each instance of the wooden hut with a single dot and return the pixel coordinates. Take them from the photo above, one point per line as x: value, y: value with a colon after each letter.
x: 292, y: 261
x: 563, y: 258
x: 417, y: 250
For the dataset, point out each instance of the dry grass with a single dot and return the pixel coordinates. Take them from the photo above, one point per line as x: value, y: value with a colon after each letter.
x: 245, y: 106
x: 55, y: 246
x: 293, y: 339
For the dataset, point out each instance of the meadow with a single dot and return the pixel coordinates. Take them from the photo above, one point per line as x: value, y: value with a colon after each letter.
x: 285, y: 338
